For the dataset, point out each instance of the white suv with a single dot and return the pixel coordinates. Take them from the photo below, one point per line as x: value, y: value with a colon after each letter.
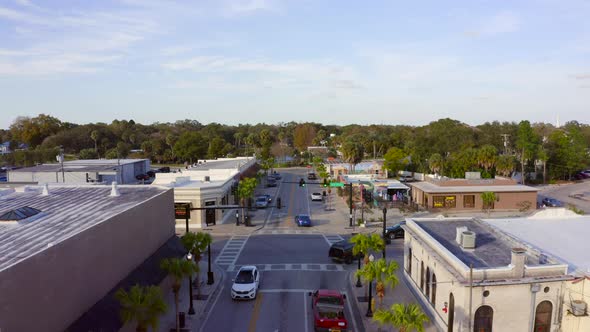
x: 246, y: 283
x: 316, y: 197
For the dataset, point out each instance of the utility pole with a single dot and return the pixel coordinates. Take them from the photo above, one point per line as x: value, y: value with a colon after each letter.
x: 61, y: 160
x: 350, y: 203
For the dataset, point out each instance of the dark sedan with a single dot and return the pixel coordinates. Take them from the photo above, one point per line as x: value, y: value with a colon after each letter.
x: 551, y: 202
x: 303, y: 220
x: 395, y: 232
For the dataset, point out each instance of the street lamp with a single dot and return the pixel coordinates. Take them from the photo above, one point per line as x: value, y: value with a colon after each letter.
x: 358, y: 277
x: 384, y: 240
x: 191, y: 309
x: 369, y: 311
x: 237, y: 218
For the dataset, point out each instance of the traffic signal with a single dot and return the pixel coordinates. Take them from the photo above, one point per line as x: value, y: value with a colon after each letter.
x: 325, y: 184
x: 301, y: 183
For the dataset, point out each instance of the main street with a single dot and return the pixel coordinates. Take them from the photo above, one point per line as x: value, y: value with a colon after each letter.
x: 291, y: 264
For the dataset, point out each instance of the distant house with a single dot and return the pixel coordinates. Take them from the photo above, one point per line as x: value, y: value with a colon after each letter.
x: 337, y: 169
x: 5, y: 148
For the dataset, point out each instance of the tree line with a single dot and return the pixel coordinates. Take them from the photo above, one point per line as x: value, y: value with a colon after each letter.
x: 446, y: 146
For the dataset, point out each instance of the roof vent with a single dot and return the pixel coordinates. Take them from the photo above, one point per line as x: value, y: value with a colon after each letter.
x: 579, y: 308
x: 115, y: 190
x: 458, y: 237
x: 207, y: 178
x: 468, y: 240
x: 19, y: 214
x: 45, y: 190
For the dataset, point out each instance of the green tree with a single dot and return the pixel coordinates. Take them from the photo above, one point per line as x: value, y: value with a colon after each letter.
x: 526, y: 143
x: 178, y: 269
x: 405, y: 317
x: 395, y: 160
x: 487, y: 156
x: 87, y: 154
x: 436, y: 163
x: 95, y: 135
x: 383, y: 272
x: 505, y: 165
x: 353, y: 152
x: 123, y: 150
x: 196, y: 244
x: 190, y: 146
x: 365, y: 244
x: 142, y: 305
x: 461, y: 162
x: 303, y: 136
x: 488, y: 198
x: 216, y: 148
x: 33, y: 131
x: 246, y: 189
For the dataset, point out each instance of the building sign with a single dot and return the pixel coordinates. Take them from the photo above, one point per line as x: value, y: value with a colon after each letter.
x: 180, y: 211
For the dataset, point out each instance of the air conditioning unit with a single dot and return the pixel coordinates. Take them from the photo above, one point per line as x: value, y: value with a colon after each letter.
x: 468, y: 240
x: 460, y: 230
x: 207, y: 178
x: 579, y: 308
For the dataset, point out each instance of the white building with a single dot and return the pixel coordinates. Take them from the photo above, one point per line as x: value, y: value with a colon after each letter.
x: 208, y: 183
x: 475, y: 277
x: 122, y: 171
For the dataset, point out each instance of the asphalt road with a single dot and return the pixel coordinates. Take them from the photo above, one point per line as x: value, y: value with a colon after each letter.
x: 291, y: 265
x: 577, y: 194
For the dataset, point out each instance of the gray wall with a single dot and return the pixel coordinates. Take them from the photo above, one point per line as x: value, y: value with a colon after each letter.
x: 51, y: 289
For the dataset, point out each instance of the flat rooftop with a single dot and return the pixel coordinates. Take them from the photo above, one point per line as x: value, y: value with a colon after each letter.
x: 492, y: 248
x: 65, y: 212
x: 565, y: 237
x: 221, y: 163
x: 86, y: 165
x: 432, y: 188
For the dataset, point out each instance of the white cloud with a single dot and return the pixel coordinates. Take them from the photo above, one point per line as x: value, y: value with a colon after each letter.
x: 242, y: 7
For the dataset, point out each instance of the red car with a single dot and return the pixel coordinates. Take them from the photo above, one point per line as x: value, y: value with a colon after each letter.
x: 328, y: 311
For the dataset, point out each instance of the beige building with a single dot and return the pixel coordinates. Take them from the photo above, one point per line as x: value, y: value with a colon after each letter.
x: 474, y: 277
x: 373, y: 168
x: 209, y: 183
x: 465, y: 194
x: 64, y: 248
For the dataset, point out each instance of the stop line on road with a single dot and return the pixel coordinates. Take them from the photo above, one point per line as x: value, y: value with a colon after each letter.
x: 292, y: 267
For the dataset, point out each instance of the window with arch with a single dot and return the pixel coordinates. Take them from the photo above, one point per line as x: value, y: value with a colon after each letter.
x: 433, y: 297
x: 543, y: 317
x: 451, y: 311
x: 427, y: 283
x: 409, y: 265
x: 422, y: 276
x: 484, y: 317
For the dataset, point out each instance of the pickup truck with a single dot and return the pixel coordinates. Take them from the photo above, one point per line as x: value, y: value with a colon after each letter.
x: 328, y: 311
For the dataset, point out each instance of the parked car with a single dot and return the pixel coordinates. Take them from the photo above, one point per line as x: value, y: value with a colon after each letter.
x: 328, y: 310
x: 316, y: 196
x: 551, y: 202
x: 342, y: 251
x: 142, y: 177
x: 395, y: 232
x: 271, y: 182
x: 311, y: 176
x: 246, y: 283
x: 303, y: 220
x: 165, y: 169
x: 406, y: 178
x: 261, y: 202
x: 276, y: 175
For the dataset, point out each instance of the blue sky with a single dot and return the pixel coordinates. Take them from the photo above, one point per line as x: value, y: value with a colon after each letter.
x: 333, y: 62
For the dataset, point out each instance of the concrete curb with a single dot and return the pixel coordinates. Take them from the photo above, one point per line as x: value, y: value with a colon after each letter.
x: 207, y: 305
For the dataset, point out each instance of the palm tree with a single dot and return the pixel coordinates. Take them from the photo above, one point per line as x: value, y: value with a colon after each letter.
x: 435, y: 163
x: 94, y: 135
x: 178, y: 269
x: 353, y: 152
x: 142, y: 305
x: 505, y: 165
x: 196, y: 244
x: 364, y: 244
x: 486, y: 156
x: 382, y: 271
x: 488, y: 198
x: 406, y: 317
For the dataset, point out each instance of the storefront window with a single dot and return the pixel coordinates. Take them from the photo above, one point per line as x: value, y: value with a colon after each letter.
x: 469, y: 201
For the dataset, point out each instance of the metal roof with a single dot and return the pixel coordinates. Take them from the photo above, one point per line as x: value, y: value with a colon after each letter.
x: 86, y: 165
x: 66, y: 211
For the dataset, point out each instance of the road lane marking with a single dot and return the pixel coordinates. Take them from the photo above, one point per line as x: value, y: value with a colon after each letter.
x: 353, y: 318
x: 232, y: 250
x: 211, y: 309
x: 285, y: 290
x: 291, y: 267
x: 290, y: 209
x: 255, y: 313
x: 305, y: 310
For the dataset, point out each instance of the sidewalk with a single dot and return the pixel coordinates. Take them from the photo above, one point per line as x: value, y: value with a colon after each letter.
x: 400, y: 294
x: 209, y: 292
